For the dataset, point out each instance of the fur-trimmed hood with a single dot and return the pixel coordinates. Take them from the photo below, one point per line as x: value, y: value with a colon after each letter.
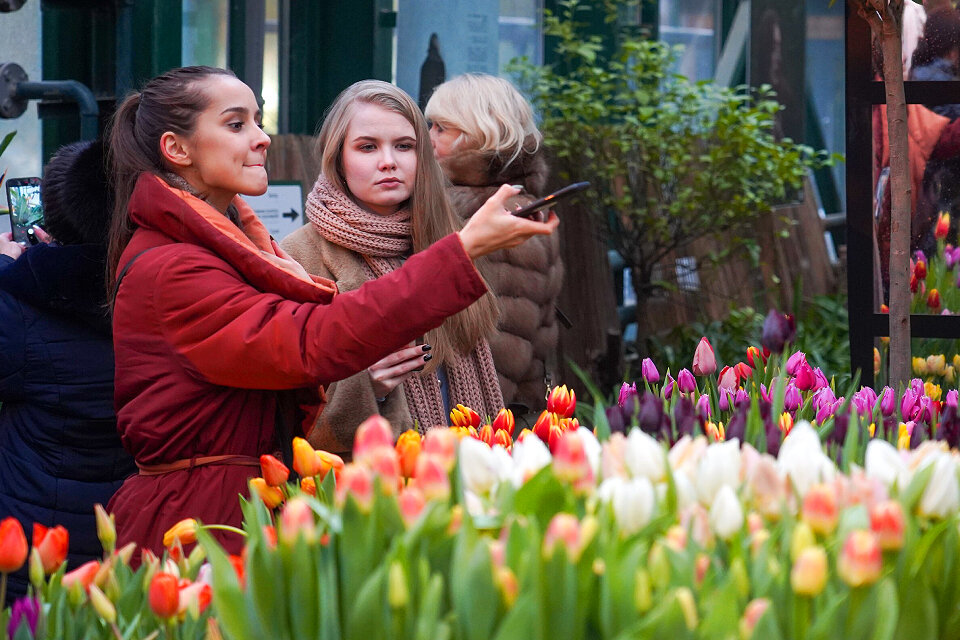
x: 471, y: 168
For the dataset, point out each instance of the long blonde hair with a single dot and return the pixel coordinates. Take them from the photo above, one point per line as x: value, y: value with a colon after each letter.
x: 491, y: 113
x: 431, y: 214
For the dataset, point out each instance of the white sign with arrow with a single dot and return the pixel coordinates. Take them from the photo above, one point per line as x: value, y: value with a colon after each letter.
x: 280, y: 208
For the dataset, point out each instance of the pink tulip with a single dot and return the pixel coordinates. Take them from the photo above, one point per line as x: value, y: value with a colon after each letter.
x: 704, y: 360
x: 794, y: 362
x: 649, y: 371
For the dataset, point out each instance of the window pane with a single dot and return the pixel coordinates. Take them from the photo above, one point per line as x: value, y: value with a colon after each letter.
x: 204, y: 33
x: 690, y: 23
x: 271, y: 68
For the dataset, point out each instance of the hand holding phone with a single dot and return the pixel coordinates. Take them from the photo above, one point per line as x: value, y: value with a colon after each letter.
x: 548, y: 201
x: 26, y: 208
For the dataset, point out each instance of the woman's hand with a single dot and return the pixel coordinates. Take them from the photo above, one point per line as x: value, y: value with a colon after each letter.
x: 388, y: 373
x: 284, y: 261
x: 8, y: 247
x: 493, y: 228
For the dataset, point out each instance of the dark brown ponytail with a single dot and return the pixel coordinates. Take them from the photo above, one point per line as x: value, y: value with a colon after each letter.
x: 170, y: 102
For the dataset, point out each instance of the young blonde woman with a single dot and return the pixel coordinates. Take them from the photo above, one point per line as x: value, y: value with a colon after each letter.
x: 484, y: 135
x: 379, y: 199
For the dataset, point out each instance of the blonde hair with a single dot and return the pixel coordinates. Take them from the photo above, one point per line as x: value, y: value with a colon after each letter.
x: 431, y: 214
x: 490, y: 112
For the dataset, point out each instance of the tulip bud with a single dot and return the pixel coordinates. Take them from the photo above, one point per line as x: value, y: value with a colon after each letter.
x: 642, y: 593
x: 296, y: 520
x: 820, y: 509
x: 802, y: 538
x: 397, y: 593
x: 751, y: 616
x: 185, y: 531
x: 102, y: 605
x: 271, y: 496
x: 688, y: 605
x: 659, y: 566
x: 755, y: 357
x: 163, y: 595
x: 805, y: 379
x: 778, y: 330
x: 738, y: 571
x: 648, y: 370
x: 506, y: 581
x: 685, y: 381
x: 876, y: 361
x: 441, y: 445
x: 305, y: 460
x: 411, y: 503
x: 432, y: 477
x: 106, y: 528
x: 726, y: 514
x: 541, y: 428
x: 373, y: 433
x: 887, y: 524
x: 860, y: 562
x: 704, y: 360
x: 809, y: 574
x: 570, y: 462
x: 408, y: 449
x: 920, y: 270
x: 943, y: 226
x: 84, y: 575
x: 13, y: 545
x: 356, y: 481
x: 504, y: 422
x: 933, y: 299
x: 463, y: 416
x: 274, y: 472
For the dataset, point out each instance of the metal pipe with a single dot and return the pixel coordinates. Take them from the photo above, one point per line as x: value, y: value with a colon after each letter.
x: 60, y: 90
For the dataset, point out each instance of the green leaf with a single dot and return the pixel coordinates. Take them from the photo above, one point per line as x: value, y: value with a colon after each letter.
x: 7, y: 139
x: 228, y: 599
x: 887, y: 611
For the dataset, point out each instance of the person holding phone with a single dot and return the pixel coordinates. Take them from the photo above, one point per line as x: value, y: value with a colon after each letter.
x: 484, y: 135
x: 223, y: 343
x: 379, y: 200
x: 59, y: 449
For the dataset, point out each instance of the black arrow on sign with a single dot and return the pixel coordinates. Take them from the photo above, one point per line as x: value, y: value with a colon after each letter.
x: 293, y: 215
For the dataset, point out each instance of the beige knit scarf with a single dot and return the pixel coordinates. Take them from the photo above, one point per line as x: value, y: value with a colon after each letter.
x: 384, y: 242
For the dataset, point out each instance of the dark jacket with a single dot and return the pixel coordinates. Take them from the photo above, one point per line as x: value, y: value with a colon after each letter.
x: 526, y: 279
x: 59, y: 449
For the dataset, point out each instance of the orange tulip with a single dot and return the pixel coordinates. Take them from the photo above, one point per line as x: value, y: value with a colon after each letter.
x: 271, y: 496
x: 274, y: 471
x: 463, y: 416
x: 163, y: 595
x: 185, y: 531
x: 503, y: 439
x: 542, y: 426
x: 562, y: 401
x: 238, y: 567
x: 82, y: 575
x: 308, y: 486
x: 327, y: 462
x: 52, y: 546
x: 408, y: 448
x: 13, y: 545
x: 504, y: 421
x: 485, y: 435
x: 305, y: 460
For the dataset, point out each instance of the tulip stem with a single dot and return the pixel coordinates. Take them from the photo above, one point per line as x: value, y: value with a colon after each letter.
x: 225, y: 527
x: 801, y: 616
x: 3, y: 590
x: 116, y: 631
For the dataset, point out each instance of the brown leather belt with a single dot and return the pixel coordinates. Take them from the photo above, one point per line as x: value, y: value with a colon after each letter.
x: 197, y: 461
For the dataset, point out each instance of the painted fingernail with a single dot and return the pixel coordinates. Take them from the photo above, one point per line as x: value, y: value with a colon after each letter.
x: 517, y: 186
x: 426, y: 347
x: 427, y: 358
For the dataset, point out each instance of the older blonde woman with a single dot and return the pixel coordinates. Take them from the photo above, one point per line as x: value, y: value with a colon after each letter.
x: 484, y: 135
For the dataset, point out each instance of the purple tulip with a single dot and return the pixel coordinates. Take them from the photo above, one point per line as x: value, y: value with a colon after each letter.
x: 920, y: 256
x: 791, y: 397
x: 703, y: 407
x: 909, y: 404
x: 737, y: 427
x: 821, y: 378
x: 741, y: 398
x: 778, y: 330
x: 764, y: 393
x: 686, y: 382
x: 650, y: 414
x: 917, y: 385
x: 864, y: 400
x: 684, y: 416
x: 822, y: 397
x: 841, y: 423
x: 774, y: 439
x: 615, y: 419
x: 826, y: 410
x: 950, y: 256
x: 628, y: 394
x: 949, y: 429
x: 888, y: 402
x: 952, y: 398
x: 726, y: 398
x: 924, y: 409
x: 25, y: 610
x: 649, y: 371
x: 668, y: 386
x: 794, y: 361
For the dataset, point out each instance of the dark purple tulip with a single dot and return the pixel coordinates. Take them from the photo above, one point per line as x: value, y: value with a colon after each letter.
x: 778, y: 330
x: 650, y: 414
x: 949, y: 429
x: 918, y: 435
x: 774, y: 438
x: 615, y: 419
x: 684, y: 416
x: 25, y: 610
x: 841, y: 423
x: 649, y: 371
x: 737, y: 427
x: 685, y: 381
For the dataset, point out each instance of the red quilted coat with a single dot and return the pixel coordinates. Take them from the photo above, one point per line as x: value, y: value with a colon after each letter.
x: 208, y: 333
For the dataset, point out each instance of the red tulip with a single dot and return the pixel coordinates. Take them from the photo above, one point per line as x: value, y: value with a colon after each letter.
x: 274, y: 471
x: 432, y: 477
x: 542, y: 426
x: 485, y: 435
x: 920, y: 270
x: 52, y: 545
x: 503, y: 439
x: 163, y: 595
x: 743, y: 370
x: 933, y: 299
x: 755, y: 357
x: 562, y: 401
x: 887, y: 523
x: 82, y: 575
x: 704, y: 360
x: 463, y: 416
x: 860, y: 562
x: 13, y: 545
x: 504, y: 421
x: 943, y: 226
x: 820, y: 509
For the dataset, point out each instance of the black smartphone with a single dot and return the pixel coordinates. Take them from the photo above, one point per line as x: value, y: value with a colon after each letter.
x: 548, y: 201
x: 26, y: 208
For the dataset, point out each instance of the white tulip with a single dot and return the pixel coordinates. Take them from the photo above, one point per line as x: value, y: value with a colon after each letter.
x: 685, y: 454
x: 941, y: 497
x: 644, y: 456
x: 479, y: 466
x: 529, y: 457
x: 719, y: 467
x: 591, y: 446
x: 726, y: 514
x: 632, y: 502
x: 884, y: 463
x: 802, y: 458
x: 686, y: 493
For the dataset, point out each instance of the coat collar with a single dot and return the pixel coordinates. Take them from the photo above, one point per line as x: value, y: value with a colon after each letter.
x: 157, y: 206
x: 472, y: 168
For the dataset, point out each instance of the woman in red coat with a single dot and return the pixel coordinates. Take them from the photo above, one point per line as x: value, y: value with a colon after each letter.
x: 216, y: 330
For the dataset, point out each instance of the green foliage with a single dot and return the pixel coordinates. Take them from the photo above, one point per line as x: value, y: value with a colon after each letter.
x: 670, y: 160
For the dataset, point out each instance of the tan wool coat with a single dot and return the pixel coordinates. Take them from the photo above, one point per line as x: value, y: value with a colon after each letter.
x: 526, y: 279
x: 352, y: 400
